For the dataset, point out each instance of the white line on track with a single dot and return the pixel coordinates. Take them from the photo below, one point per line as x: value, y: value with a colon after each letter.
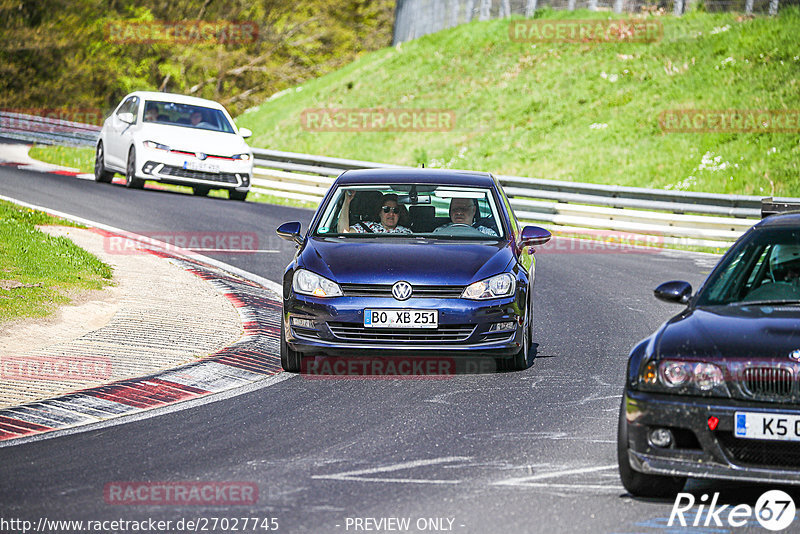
x: 524, y: 481
x: 356, y: 475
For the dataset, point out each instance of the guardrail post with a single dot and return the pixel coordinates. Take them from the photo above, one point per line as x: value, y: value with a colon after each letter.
x: 486, y: 9
x: 678, y: 8
x: 618, y: 6
x: 773, y: 7
x: 530, y: 8
x: 748, y: 7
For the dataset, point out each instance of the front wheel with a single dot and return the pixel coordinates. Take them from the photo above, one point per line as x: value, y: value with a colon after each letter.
x: 100, y: 173
x: 237, y: 195
x: 131, y: 181
x: 290, y: 359
x: 641, y: 484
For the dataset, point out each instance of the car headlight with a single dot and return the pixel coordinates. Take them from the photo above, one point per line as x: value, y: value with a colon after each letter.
x: 158, y: 146
x: 243, y: 157
x: 501, y: 285
x: 678, y: 376
x: 308, y: 283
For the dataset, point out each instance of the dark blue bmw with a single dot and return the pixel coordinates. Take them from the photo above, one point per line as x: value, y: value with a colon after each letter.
x: 715, y: 392
x: 418, y: 261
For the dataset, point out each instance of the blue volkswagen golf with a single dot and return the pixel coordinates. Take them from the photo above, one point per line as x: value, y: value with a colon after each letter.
x: 411, y: 262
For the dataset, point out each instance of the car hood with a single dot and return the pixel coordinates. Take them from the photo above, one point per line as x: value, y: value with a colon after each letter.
x: 742, y: 333
x: 194, y: 140
x: 376, y: 260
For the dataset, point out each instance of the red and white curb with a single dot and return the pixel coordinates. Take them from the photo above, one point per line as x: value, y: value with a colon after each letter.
x: 251, y: 359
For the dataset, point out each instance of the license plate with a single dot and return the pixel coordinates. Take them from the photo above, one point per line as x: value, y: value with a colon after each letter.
x: 772, y: 426
x: 401, y: 318
x: 201, y: 166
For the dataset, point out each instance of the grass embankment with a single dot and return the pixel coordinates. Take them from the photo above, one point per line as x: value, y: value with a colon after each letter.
x: 39, y: 272
x: 580, y: 112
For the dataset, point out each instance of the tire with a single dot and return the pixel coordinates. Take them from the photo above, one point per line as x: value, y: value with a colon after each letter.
x: 237, y: 195
x: 131, y: 181
x: 291, y: 360
x: 200, y: 191
x: 100, y: 173
x: 519, y: 361
x: 640, y: 484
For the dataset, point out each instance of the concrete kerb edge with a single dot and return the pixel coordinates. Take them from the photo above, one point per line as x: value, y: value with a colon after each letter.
x: 245, y: 364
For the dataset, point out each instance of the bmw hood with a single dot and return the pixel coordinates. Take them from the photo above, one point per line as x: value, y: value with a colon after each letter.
x: 388, y: 260
x: 733, y: 333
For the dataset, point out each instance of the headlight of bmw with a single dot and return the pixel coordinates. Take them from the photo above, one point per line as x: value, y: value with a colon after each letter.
x: 243, y: 157
x: 308, y: 283
x: 501, y: 285
x: 680, y: 376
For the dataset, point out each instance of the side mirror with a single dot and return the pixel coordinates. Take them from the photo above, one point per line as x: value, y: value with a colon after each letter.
x: 290, y: 231
x: 245, y: 132
x: 127, y: 117
x: 676, y: 291
x: 533, y: 236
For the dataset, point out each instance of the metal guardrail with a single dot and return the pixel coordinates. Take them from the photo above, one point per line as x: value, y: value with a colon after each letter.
x: 675, y: 217
x: 47, y: 130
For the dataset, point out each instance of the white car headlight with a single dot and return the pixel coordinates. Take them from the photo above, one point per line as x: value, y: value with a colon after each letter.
x: 159, y: 146
x: 243, y: 157
x: 501, y: 285
x: 308, y: 283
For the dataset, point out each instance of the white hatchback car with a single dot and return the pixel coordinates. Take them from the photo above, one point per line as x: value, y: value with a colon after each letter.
x: 175, y: 139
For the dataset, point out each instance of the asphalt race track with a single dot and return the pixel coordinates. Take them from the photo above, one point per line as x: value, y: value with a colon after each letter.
x: 531, y: 451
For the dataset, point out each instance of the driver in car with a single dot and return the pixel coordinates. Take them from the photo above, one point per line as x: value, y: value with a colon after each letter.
x: 388, y: 217
x: 462, y: 212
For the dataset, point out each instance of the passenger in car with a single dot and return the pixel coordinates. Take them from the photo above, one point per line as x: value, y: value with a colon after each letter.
x: 389, y: 215
x: 462, y: 212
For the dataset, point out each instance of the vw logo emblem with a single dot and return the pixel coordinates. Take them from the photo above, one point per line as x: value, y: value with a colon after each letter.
x: 795, y: 355
x: 401, y: 290
x: 201, y: 156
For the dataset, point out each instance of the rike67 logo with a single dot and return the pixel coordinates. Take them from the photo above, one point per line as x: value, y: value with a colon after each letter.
x: 774, y: 511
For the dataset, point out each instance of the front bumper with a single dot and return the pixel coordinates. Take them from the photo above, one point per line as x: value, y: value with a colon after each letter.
x: 700, y: 452
x: 463, y: 327
x: 171, y: 168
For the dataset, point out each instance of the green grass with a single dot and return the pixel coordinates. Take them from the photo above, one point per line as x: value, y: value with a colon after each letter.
x: 39, y: 272
x: 66, y: 156
x: 529, y: 109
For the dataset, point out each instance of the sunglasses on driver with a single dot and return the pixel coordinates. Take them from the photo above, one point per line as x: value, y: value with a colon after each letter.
x: 387, y: 209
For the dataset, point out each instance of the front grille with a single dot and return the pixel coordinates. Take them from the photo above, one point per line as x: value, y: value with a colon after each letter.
x: 385, y: 290
x: 760, y: 453
x: 224, y: 177
x: 767, y: 381
x: 443, y: 334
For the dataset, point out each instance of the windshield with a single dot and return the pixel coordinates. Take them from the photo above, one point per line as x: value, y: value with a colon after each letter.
x: 765, y: 269
x: 411, y: 210
x: 186, y: 115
